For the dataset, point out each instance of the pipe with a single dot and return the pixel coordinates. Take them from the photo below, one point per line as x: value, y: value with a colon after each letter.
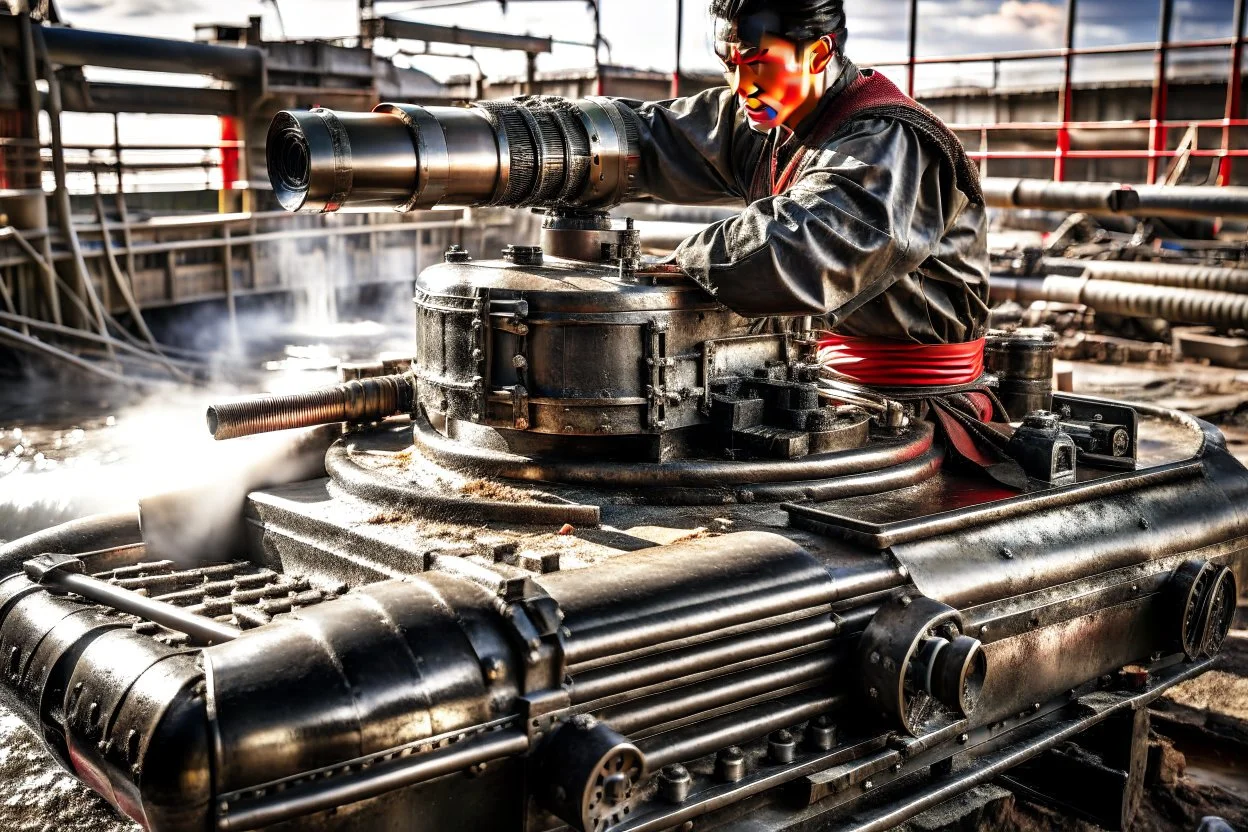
x: 1225, y: 310
x: 84, y: 47
x: 63, y: 573
x: 703, y: 738
x: 682, y: 663
x: 682, y: 703
x: 669, y: 625
x: 86, y: 534
x: 1177, y: 275
x: 542, y: 151
x: 361, y: 400
x: 318, y: 794
x: 1092, y: 197
x: 1178, y: 201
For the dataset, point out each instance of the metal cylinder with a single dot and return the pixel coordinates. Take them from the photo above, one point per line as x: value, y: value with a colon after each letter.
x: 1022, y: 360
x: 1178, y: 275
x: 534, y: 151
x: 361, y: 400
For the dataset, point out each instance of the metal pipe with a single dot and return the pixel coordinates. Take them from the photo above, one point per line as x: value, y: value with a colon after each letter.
x: 83, y: 47
x: 317, y: 794
x: 691, y: 700
x: 1177, y: 275
x: 1093, y: 197
x: 551, y: 152
x: 1133, y: 300
x: 669, y: 625
x: 1180, y: 201
x: 722, y: 653
x: 64, y: 573
x: 912, y: 43
x: 694, y: 741
x: 360, y: 400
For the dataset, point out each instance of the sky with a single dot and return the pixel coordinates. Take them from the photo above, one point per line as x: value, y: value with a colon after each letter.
x: 642, y: 32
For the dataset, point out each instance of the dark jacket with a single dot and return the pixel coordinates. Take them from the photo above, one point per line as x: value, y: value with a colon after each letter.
x: 874, y: 232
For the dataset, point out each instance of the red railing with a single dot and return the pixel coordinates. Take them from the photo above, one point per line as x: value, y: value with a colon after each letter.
x: 1158, y: 127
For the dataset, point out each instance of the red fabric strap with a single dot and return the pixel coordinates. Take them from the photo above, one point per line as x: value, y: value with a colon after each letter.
x: 884, y: 363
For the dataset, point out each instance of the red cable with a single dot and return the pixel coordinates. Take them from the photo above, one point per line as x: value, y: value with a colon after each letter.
x: 896, y: 364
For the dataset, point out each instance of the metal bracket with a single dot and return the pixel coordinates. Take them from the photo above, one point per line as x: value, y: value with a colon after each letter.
x: 657, y: 363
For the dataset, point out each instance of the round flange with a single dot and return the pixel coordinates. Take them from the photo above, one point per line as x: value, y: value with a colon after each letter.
x: 1203, y: 598
x: 918, y: 668
x: 591, y: 774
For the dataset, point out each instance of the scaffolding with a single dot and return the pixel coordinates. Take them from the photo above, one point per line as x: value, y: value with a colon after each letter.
x: 1159, y: 127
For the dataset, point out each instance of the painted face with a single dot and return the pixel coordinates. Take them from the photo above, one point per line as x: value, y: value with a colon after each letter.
x: 779, y: 81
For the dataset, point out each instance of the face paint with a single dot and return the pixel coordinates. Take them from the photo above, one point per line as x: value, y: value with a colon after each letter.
x: 778, y: 81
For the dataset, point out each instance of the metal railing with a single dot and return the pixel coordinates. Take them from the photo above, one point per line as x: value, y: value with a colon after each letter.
x: 1158, y: 126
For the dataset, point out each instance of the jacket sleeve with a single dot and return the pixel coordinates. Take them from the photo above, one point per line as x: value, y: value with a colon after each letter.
x: 866, y: 211
x: 695, y: 150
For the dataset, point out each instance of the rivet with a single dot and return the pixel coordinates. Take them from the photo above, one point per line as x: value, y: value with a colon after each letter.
x: 963, y: 738
x: 781, y: 747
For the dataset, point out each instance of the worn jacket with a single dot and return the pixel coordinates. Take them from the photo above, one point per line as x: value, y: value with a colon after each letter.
x: 874, y: 232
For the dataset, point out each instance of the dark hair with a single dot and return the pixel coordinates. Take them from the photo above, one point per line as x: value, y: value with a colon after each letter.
x: 799, y: 19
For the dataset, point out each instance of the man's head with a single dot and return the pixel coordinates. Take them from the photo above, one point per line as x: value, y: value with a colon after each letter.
x: 776, y: 54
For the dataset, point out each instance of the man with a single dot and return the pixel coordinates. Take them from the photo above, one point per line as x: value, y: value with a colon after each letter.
x: 860, y: 205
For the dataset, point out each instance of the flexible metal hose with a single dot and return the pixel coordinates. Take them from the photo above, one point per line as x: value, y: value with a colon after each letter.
x: 361, y: 400
x: 1179, y: 276
x: 1190, y: 306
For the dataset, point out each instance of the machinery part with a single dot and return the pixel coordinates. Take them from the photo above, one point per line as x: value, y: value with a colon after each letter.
x: 590, y: 774
x: 1178, y: 275
x: 64, y: 573
x: 1044, y: 449
x: 1226, y: 310
x: 522, y: 152
x: 1091, y: 197
x: 1022, y: 360
x: 1204, y: 596
x: 917, y: 666
x: 1179, y: 201
x: 359, y: 400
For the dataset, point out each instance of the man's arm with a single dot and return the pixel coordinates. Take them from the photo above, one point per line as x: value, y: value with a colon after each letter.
x: 694, y: 150
x: 867, y: 211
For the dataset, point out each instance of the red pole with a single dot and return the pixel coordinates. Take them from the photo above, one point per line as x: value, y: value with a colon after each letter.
x: 913, y: 46
x: 680, y: 19
x: 1065, y: 105
x: 1161, y: 90
x: 229, y: 152
x: 1234, y: 92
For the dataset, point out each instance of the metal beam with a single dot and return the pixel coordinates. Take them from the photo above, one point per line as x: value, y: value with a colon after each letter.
x: 393, y: 27
x: 83, y: 47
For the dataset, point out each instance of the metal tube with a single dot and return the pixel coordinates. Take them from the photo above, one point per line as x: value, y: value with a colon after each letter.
x: 361, y: 400
x: 722, y: 653
x: 912, y: 42
x: 670, y: 625
x: 698, y: 740
x: 83, y: 47
x: 691, y: 700
x: 57, y: 573
x: 316, y: 794
x: 17, y: 339
x: 1179, y: 201
x: 547, y: 152
x: 1179, y: 276
x: 1134, y: 300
